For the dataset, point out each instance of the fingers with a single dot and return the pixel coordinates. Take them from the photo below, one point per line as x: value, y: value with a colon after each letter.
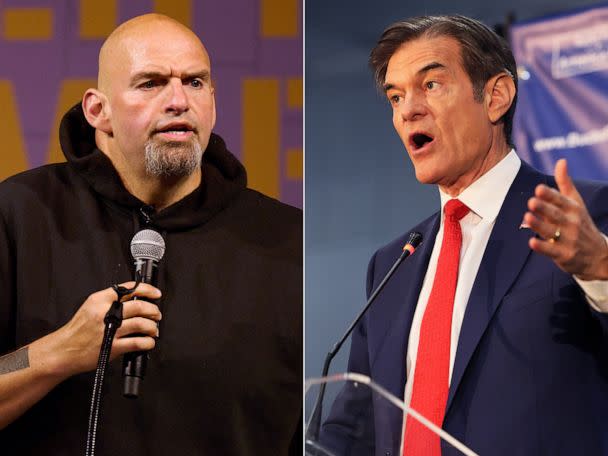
x: 579, y: 246
x: 81, y: 336
x: 100, y: 303
x: 551, y: 210
x: 545, y: 229
x: 143, y: 290
x: 130, y: 344
x: 138, y: 325
x: 140, y: 318
x: 547, y: 207
x: 564, y: 181
x: 548, y: 248
x: 548, y: 212
x: 139, y: 308
x: 552, y: 196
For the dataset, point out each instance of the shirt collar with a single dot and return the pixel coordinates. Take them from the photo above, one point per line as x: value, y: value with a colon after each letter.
x: 495, y: 183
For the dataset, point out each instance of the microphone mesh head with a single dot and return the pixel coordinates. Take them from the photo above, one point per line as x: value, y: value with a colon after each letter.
x: 415, y: 239
x: 147, y: 245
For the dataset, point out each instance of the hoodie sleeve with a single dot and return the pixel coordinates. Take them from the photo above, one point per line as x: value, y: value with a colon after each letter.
x: 6, y: 288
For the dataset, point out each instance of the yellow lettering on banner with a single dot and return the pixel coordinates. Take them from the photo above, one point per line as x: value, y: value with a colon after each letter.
x: 97, y: 18
x: 295, y: 164
x: 14, y: 159
x: 27, y: 23
x: 70, y: 93
x: 180, y: 10
x: 261, y: 134
x: 295, y: 97
x: 279, y: 18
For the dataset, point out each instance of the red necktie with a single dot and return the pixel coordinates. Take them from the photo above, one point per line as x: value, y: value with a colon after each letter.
x: 431, y: 375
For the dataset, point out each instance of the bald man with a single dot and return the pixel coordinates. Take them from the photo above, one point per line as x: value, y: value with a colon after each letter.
x: 224, y: 375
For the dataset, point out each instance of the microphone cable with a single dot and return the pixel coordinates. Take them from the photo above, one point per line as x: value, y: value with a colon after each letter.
x: 112, y: 321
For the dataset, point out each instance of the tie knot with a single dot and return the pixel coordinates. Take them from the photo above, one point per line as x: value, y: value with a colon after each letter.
x: 455, y: 209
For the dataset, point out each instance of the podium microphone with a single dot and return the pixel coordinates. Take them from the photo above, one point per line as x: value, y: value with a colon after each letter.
x: 314, y: 425
x: 147, y: 249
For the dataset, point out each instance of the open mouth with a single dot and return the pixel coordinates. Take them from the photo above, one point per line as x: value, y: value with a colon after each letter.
x: 418, y: 140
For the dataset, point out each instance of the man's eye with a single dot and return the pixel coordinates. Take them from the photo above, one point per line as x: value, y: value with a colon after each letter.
x: 431, y: 85
x: 148, y: 84
x: 196, y: 83
x: 394, y: 99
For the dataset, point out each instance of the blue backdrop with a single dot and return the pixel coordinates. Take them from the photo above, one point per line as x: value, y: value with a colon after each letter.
x: 563, y: 89
x: 360, y: 189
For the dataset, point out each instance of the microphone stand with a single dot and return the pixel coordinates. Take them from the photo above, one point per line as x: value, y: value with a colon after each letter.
x: 314, y: 425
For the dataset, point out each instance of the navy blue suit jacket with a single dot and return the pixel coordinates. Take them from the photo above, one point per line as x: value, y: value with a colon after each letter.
x: 531, y: 370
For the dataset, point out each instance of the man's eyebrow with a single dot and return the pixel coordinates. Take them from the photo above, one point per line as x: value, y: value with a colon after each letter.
x: 431, y: 66
x: 148, y: 75
x: 421, y: 71
x: 203, y: 74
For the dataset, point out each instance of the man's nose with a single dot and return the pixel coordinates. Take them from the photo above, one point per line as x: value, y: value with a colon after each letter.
x: 177, y: 101
x: 412, y: 107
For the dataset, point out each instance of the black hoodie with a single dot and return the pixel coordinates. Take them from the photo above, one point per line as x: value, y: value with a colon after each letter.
x: 226, y: 375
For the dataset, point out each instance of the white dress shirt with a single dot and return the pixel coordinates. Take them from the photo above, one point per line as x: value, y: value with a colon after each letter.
x: 476, y: 229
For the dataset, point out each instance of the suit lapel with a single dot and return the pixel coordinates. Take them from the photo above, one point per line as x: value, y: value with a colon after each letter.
x: 505, y: 255
x: 393, y: 314
x: 389, y: 323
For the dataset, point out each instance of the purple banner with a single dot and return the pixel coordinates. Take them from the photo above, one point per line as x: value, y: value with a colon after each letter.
x: 562, y: 107
x: 44, y: 45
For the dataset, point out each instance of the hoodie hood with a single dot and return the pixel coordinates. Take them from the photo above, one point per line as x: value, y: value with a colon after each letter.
x: 223, y: 177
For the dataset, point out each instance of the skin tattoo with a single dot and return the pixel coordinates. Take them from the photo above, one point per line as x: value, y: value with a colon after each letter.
x: 15, y: 361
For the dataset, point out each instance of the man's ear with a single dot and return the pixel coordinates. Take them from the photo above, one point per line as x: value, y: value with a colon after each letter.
x: 500, y: 92
x: 97, y: 110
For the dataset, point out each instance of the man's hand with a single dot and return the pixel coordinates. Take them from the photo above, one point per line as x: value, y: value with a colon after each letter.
x: 569, y: 236
x: 74, y: 348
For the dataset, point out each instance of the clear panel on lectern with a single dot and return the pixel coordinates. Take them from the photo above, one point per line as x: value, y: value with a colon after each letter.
x: 359, y: 418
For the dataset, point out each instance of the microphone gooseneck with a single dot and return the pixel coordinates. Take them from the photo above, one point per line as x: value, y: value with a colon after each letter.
x: 147, y: 249
x: 314, y: 425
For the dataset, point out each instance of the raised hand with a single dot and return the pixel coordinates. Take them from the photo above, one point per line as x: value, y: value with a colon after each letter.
x: 567, y: 233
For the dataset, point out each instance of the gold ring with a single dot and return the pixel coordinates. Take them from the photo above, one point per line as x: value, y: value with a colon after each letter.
x: 555, y: 236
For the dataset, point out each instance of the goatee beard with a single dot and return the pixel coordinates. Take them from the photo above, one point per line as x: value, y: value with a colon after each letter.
x: 172, y: 158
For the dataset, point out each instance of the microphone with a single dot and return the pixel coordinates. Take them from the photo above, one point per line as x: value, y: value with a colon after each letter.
x: 314, y: 425
x: 147, y: 249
